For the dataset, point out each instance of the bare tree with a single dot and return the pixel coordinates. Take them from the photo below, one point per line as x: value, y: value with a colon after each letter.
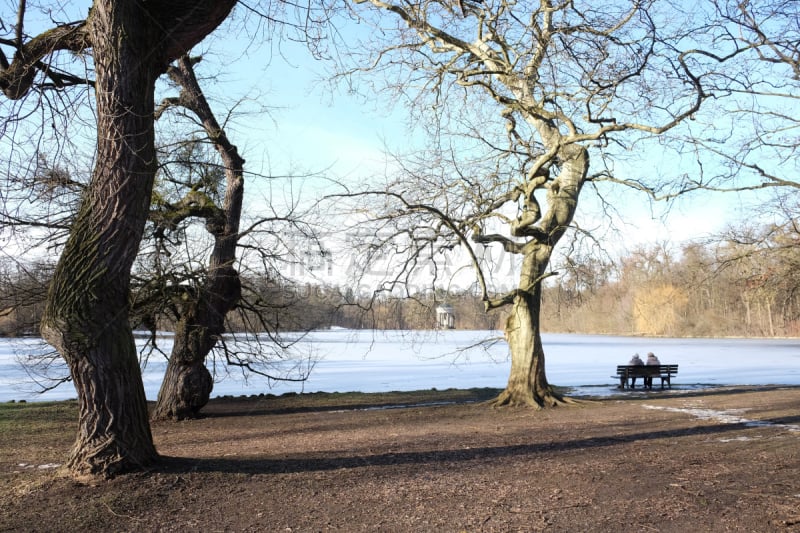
x: 119, y: 50
x: 747, y: 138
x: 173, y: 287
x: 750, y: 55
x: 205, y: 296
x: 87, y: 311
x: 520, y: 94
x: 187, y: 383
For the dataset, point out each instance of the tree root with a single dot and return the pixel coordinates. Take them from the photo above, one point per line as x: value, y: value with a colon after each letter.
x: 542, y: 400
x: 90, y: 462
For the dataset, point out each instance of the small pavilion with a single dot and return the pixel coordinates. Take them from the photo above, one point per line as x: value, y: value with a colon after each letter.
x: 445, y: 317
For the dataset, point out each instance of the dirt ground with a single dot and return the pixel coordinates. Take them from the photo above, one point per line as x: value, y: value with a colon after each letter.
x: 718, y: 460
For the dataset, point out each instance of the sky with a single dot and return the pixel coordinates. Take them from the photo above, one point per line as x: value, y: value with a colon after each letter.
x: 300, y: 125
x: 313, y: 127
x: 316, y: 128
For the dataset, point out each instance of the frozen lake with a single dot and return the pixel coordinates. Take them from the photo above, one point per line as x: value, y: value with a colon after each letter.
x: 374, y: 361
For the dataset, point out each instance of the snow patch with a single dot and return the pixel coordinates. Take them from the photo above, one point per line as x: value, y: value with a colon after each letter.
x: 728, y: 416
x: 46, y: 466
x: 382, y: 361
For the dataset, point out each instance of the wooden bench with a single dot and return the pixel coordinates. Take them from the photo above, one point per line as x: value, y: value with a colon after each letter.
x: 647, y: 373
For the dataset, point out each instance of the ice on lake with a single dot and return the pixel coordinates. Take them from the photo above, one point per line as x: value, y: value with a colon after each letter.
x: 376, y: 361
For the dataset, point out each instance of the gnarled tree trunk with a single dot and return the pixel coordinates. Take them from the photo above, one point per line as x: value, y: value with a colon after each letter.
x: 187, y: 382
x: 86, y: 317
x: 87, y: 314
x: 527, y: 382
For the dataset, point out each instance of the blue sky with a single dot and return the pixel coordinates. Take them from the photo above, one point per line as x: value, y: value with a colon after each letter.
x: 308, y: 127
x: 313, y: 127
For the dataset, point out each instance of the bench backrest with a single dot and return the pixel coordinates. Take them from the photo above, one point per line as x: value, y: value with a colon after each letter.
x: 646, y: 370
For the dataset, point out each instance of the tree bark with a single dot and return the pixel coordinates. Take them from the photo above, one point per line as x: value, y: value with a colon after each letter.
x: 187, y: 382
x: 527, y: 382
x: 86, y: 318
x: 87, y: 314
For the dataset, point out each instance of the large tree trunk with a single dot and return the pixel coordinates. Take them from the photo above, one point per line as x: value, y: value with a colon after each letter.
x: 86, y: 318
x: 87, y: 314
x: 527, y: 382
x: 187, y: 382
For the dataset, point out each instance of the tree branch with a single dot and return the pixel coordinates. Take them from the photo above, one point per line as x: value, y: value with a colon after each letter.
x: 17, y: 77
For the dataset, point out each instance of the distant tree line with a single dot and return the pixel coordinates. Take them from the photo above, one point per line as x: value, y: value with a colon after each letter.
x: 745, y: 284
x: 291, y: 307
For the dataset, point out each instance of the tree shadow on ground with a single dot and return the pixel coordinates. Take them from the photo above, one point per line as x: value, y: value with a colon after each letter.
x: 431, y: 457
x: 264, y: 406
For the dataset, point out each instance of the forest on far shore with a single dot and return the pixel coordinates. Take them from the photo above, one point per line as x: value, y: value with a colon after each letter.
x: 744, y: 286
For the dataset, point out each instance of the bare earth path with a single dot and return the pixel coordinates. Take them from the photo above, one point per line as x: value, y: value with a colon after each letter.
x: 720, y: 460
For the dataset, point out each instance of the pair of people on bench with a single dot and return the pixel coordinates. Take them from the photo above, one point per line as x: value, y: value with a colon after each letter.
x: 636, y: 361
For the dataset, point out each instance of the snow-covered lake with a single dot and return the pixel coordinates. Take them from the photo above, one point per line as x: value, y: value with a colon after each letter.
x: 374, y: 361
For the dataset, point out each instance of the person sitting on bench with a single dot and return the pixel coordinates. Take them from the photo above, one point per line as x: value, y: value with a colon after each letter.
x: 651, y: 360
x: 635, y: 361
